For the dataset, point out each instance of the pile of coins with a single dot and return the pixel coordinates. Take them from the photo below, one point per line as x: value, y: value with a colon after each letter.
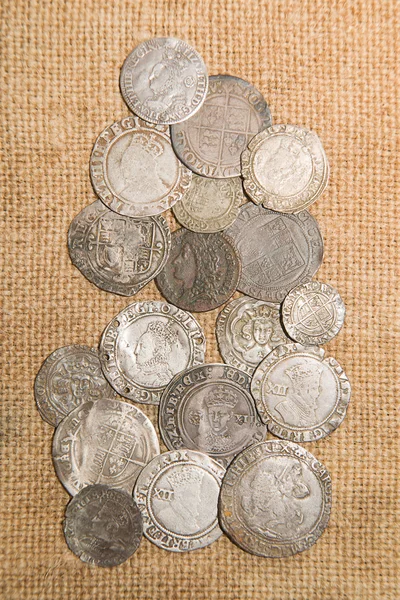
x: 206, y: 147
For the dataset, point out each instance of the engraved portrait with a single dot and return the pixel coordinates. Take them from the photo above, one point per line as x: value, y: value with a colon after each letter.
x: 300, y: 405
x: 78, y: 380
x: 103, y: 528
x: 256, y: 332
x: 152, y: 353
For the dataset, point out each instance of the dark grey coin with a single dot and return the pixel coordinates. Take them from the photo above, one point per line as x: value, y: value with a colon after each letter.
x: 202, y: 271
x: 275, y: 499
x: 278, y: 251
x: 103, y: 526
x: 210, y: 143
x: 209, y: 408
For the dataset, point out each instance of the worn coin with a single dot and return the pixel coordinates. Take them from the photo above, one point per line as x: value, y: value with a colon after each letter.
x: 277, y: 251
x: 164, y: 80
x: 134, y: 169
x: 299, y: 394
x: 177, y: 493
x: 275, y: 499
x: 210, y: 143
x: 103, y: 526
x: 108, y: 441
x: 145, y: 345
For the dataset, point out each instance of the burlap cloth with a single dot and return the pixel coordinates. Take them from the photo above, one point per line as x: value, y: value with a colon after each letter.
x: 328, y: 65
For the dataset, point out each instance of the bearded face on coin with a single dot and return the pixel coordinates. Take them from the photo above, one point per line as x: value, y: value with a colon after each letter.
x: 301, y: 404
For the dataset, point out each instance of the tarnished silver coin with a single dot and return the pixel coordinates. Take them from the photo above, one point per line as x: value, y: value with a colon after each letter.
x: 247, y: 330
x: 69, y: 377
x: 202, y: 271
x: 210, y: 409
x: 210, y: 143
x: 277, y: 251
x: 134, y: 169
x: 285, y: 168
x: 299, y: 394
x: 164, y: 80
x: 145, y: 345
x: 118, y: 254
x: 177, y: 494
x: 107, y: 442
x: 275, y: 499
x: 103, y: 526
x: 313, y: 313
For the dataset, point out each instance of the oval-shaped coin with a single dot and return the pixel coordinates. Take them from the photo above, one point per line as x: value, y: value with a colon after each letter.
x: 69, y: 377
x: 210, y: 143
x: 108, y: 442
x: 210, y: 409
x: 164, y: 80
x: 177, y: 494
x: 103, y: 526
x: 134, y: 169
x: 202, y: 271
x: 145, y: 345
x: 275, y: 499
x: 285, y: 168
x: 277, y: 251
x: 300, y: 395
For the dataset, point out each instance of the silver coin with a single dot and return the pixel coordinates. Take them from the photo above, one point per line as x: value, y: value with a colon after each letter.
x: 313, y: 313
x: 145, y: 345
x: 177, y: 494
x: 285, y: 168
x: 299, y: 394
x: 275, y: 499
x: 103, y: 526
x: 164, y: 80
x: 69, y: 377
x: 134, y: 169
x: 210, y: 409
x: 277, y: 251
x: 211, y: 142
x: 107, y: 442
x: 247, y: 330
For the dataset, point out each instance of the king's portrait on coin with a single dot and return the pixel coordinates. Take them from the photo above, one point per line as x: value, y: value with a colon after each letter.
x: 213, y: 420
x: 300, y: 404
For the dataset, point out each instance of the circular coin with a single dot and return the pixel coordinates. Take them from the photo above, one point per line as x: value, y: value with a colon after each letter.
x: 177, y: 494
x: 275, y: 499
x: 164, y: 80
x: 211, y: 142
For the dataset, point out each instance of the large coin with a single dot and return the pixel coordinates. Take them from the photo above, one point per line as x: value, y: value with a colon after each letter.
x: 277, y: 251
x: 177, y: 494
x: 164, y: 80
x: 211, y: 142
x: 202, y: 271
x: 247, y: 330
x: 145, y: 345
x: 210, y: 409
x: 275, y: 499
x: 134, y: 169
x: 118, y: 254
x: 106, y: 442
x: 103, y: 526
x: 299, y: 394
x: 285, y: 168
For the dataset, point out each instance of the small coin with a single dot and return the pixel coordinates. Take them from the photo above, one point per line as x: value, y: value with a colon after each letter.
x: 103, y: 526
x: 278, y: 251
x: 275, y: 499
x: 300, y: 395
x: 145, y: 345
x: 202, y: 271
x: 107, y: 441
x: 164, y: 80
x: 285, y: 168
x: 177, y: 494
x: 209, y: 408
x: 210, y: 143
x: 134, y: 169
x: 69, y: 377
x: 313, y: 313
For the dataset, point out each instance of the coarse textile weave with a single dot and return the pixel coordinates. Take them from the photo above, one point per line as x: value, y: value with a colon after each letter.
x: 328, y: 65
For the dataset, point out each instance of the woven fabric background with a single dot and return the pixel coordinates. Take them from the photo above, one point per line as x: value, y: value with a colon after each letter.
x: 328, y: 65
